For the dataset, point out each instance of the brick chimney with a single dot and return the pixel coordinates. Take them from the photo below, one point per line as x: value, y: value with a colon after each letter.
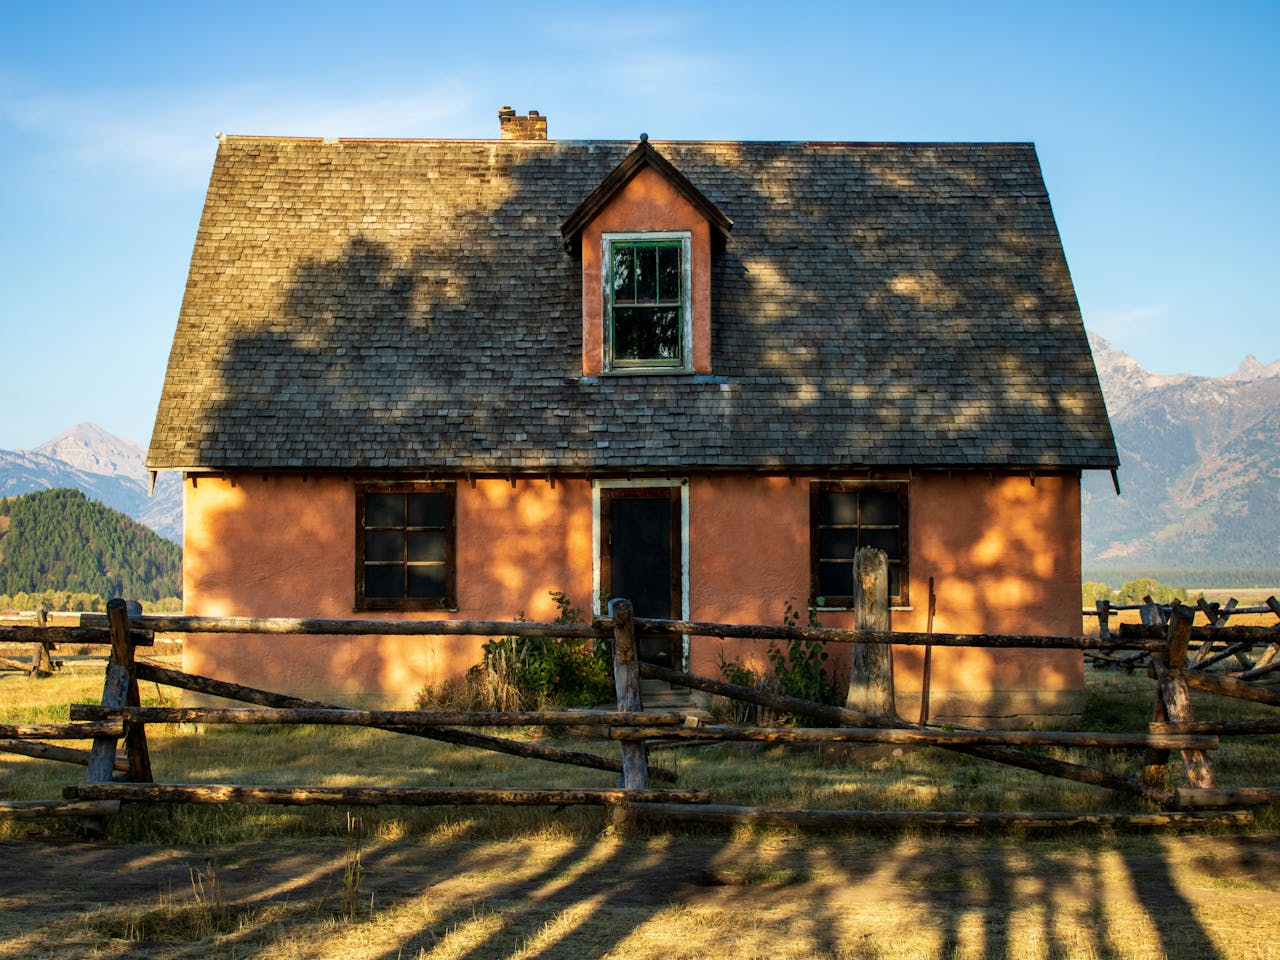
x: 511, y: 127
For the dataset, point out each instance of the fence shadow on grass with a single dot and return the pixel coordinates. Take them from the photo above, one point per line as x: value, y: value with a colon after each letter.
x: 569, y: 890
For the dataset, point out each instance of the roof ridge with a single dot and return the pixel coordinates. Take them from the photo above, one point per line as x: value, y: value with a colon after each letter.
x: 631, y: 143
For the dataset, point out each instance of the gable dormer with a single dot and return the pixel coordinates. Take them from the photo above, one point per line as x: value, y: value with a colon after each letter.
x: 646, y: 234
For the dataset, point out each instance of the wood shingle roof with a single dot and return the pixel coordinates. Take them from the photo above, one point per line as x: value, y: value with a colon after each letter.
x: 391, y: 305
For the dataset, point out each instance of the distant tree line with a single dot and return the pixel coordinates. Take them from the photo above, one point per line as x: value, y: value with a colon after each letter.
x: 1133, y: 591
x: 1217, y: 578
x: 67, y: 550
x: 57, y: 601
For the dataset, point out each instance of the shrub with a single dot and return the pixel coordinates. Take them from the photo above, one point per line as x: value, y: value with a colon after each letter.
x: 798, y: 668
x: 532, y: 673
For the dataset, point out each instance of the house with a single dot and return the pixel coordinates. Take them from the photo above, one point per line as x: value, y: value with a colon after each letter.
x: 443, y: 378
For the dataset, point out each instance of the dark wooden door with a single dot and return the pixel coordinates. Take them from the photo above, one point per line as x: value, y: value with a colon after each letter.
x: 640, y: 559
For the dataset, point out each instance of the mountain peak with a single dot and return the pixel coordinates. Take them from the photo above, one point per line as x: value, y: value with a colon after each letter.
x: 1200, y: 467
x: 90, y: 448
x: 1251, y: 368
x: 1122, y: 378
x: 107, y: 468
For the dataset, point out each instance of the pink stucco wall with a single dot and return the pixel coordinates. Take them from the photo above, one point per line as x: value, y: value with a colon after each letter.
x: 284, y: 547
x: 1004, y: 555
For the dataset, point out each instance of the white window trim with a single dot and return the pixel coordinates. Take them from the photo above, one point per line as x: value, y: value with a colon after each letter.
x: 683, y: 484
x: 686, y: 297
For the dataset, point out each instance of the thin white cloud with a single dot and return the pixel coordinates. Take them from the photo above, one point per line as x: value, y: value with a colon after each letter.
x: 645, y: 59
x: 665, y: 73
x: 607, y: 33
x: 169, y: 137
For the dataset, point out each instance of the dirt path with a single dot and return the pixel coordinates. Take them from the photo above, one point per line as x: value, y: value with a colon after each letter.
x: 815, y: 897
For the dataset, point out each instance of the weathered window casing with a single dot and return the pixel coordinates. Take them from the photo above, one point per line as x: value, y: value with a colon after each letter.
x: 405, y: 555
x: 647, y: 305
x: 846, y: 516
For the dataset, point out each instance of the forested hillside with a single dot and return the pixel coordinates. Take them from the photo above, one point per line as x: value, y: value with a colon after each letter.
x: 60, y: 540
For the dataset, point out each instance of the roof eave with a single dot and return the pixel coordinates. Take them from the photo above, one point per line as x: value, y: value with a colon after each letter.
x: 642, y: 156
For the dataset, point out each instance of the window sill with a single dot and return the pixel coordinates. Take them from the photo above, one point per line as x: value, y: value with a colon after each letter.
x: 906, y: 609
x: 650, y: 372
x: 435, y: 609
x: 647, y: 372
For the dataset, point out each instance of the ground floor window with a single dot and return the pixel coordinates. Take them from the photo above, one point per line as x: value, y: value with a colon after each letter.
x: 844, y: 517
x: 405, y: 547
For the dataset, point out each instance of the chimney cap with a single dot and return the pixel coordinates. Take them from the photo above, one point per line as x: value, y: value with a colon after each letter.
x: 517, y: 127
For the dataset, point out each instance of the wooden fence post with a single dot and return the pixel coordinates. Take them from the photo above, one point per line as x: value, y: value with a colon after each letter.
x: 120, y: 690
x: 1171, y: 676
x: 626, y: 683
x: 928, y: 659
x: 1150, y: 612
x: 39, y: 652
x: 1104, y: 618
x: 871, y: 674
x: 1156, y: 764
x: 1270, y: 659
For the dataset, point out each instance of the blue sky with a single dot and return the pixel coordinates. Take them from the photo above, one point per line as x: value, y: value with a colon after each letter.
x: 1156, y: 123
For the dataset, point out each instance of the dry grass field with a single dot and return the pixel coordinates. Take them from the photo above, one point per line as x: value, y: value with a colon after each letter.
x: 386, y: 883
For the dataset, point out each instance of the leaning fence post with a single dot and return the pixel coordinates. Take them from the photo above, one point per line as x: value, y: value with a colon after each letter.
x: 871, y: 674
x: 1170, y: 666
x: 626, y: 683
x: 120, y: 689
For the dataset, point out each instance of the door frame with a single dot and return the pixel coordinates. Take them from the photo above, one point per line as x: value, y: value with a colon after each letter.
x: 597, y: 532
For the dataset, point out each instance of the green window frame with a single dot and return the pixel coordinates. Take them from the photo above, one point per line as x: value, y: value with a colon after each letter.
x: 846, y: 516
x: 405, y: 551
x: 646, y: 291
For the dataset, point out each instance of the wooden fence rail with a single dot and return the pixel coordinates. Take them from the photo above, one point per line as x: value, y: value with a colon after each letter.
x: 1210, y: 645
x: 465, y: 738
x: 118, y: 766
x: 603, y: 628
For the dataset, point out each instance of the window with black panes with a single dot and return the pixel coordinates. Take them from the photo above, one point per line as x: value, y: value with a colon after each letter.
x: 844, y: 517
x: 405, y: 547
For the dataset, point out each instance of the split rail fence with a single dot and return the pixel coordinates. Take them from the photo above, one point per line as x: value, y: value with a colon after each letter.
x: 1214, y: 647
x: 43, y: 643
x: 118, y: 765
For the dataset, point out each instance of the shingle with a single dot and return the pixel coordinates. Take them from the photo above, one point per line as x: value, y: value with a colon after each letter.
x: 408, y: 304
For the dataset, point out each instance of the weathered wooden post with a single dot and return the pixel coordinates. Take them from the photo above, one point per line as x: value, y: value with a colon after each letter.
x: 871, y: 675
x: 40, y: 652
x: 1156, y: 764
x: 928, y: 659
x: 120, y: 689
x: 1104, y: 618
x: 1269, y: 662
x: 1171, y: 677
x: 1150, y: 612
x: 626, y: 683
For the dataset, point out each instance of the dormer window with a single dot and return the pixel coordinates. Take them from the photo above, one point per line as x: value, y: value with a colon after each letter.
x: 645, y: 235
x: 646, y: 293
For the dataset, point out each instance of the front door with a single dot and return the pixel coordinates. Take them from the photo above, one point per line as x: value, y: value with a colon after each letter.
x: 640, y: 560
